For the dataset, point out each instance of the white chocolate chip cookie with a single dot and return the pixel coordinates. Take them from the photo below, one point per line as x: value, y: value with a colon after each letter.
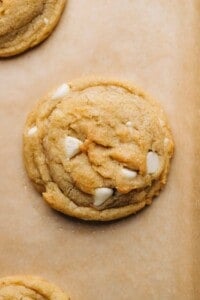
x: 24, y: 24
x: 96, y: 149
x: 29, y: 288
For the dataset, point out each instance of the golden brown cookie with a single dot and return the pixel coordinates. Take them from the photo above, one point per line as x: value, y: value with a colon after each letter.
x: 98, y: 149
x: 24, y: 24
x: 29, y: 288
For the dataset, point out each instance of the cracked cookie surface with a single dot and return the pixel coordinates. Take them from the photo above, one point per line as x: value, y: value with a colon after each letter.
x: 29, y: 288
x: 98, y: 149
x: 24, y: 24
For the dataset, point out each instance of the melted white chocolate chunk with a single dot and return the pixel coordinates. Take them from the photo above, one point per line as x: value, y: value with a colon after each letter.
x: 129, y: 174
x: 101, y: 195
x: 129, y: 124
x: 72, y: 146
x: 32, y: 130
x: 153, y: 162
x: 46, y: 21
x: 61, y: 91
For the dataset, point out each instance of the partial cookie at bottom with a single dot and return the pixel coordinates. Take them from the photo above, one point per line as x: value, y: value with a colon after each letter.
x: 29, y: 287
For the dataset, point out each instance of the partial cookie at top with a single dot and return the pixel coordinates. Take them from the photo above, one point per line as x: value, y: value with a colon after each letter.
x: 28, y: 287
x: 24, y: 24
x: 98, y: 149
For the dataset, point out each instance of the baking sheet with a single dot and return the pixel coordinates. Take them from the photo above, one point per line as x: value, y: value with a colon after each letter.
x: 155, y: 254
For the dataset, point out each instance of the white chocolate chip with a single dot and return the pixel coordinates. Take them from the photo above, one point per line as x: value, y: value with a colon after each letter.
x: 61, y: 91
x: 153, y: 162
x: 32, y: 130
x: 101, y: 195
x: 129, y: 174
x: 46, y: 21
x: 129, y: 124
x: 166, y: 142
x: 72, y: 146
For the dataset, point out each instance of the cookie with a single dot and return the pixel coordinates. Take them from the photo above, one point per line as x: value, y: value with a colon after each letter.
x: 24, y: 24
x: 98, y: 149
x: 28, y: 287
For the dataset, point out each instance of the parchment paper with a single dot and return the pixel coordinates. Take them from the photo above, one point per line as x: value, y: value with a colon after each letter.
x: 155, y: 254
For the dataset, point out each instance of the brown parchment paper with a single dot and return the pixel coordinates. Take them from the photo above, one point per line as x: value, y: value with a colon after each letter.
x: 155, y: 254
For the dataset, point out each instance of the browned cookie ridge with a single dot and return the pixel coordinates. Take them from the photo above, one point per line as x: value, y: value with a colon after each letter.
x: 24, y: 24
x: 98, y: 149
